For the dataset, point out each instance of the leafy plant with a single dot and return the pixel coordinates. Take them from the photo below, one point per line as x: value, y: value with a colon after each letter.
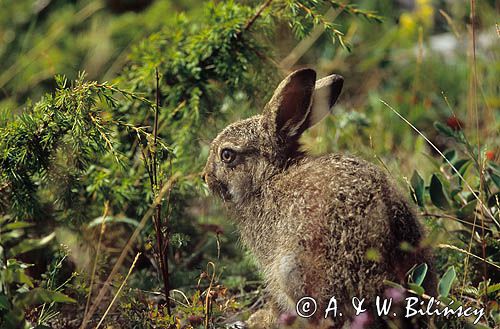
x: 85, y: 143
x: 464, y: 193
x: 18, y: 293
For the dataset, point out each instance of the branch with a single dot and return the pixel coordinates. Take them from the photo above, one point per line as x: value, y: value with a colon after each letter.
x: 252, y: 20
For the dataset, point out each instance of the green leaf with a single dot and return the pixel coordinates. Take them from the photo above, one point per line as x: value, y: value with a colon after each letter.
x: 448, y: 301
x: 463, y: 169
x: 417, y: 183
x: 437, y: 195
x: 471, y: 291
x: 446, y: 282
x: 467, y: 210
x: 12, y: 235
x: 494, y: 200
x: 493, y: 166
x: 450, y: 155
x: 393, y: 284
x: 30, y: 244
x: 416, y: 288
x: 13, y: 263
x: 445, y: 300
x: 20, y: 277
x: 493, y: 288
x: 455, y: 192
x: 39, y: 296
x: 418, y: 274
x: 4, y: 302
x: 436, y: 164
x: 445, y: 130
x: 459, y: 164
x: 495, y: 178
x: 16, y: 225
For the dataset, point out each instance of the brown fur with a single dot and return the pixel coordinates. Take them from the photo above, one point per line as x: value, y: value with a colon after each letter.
x: 310, y: 221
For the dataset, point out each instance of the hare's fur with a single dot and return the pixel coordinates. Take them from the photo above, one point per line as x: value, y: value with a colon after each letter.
x: 310, y: 221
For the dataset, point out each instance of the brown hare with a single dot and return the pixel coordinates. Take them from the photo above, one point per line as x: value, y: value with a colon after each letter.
x: 310, y: 221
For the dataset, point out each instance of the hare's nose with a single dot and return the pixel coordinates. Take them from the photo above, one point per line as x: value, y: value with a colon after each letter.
x: 203, y: 176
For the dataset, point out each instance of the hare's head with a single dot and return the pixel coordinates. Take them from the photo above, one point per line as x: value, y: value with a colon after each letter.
x: 248, y: 152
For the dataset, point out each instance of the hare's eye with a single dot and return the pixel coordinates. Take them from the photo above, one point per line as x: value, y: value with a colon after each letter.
x: 227, y: 155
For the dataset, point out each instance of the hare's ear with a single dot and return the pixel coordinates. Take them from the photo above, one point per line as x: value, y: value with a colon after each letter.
x: 326, y: 92
x: 289, y: 107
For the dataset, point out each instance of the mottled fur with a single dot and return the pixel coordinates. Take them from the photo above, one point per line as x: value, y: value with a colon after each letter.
x: 310, y: 221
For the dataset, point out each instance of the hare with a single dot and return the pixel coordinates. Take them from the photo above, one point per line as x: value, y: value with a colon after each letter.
x: 310, y: 221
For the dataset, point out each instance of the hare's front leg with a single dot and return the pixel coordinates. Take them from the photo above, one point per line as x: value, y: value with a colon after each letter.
x: 276, y: 275
x: 265, y: 318
x: 271, y: 318
x: 294, y: 276
x: 287, y: 282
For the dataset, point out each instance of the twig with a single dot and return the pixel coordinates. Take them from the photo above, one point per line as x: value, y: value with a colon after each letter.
x: 252, y: 20
x: 119, y: 290
x: 94, y: 268
x: 157, y: 217
x: 208, y: 297
x: 447, y: 246
x: 426, y: 214
x: 306, y: 43
x: 474, y: 104
x: 183, y: 295
x: 128, y: 246
x: 448, y: 161
x: 449, y: 20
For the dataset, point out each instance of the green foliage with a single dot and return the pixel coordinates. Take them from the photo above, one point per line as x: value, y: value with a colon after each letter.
x: 418, y: 189
x: 68, y: 122
x: 418, y: 274
x: 436, y: 193
x: 43, y: 39
x: 446, y: 281
x: 84, y: 143
x: 211, y: 62
x: 17, y: 290
x: 463, y: 188
x: 304, y: 15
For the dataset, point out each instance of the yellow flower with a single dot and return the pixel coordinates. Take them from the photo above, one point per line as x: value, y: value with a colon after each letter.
x: 422, y: 15
x: 426, y: 14
x: 407, y: 23
x: 423, y: 2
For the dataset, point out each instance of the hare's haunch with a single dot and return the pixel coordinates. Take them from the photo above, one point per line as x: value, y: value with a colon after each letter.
x: 311, y: 221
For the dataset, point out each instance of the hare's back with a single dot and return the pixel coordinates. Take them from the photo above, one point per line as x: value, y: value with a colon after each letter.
x: 347, y: 196
x: 335, y: 182
x: 346, y: 213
